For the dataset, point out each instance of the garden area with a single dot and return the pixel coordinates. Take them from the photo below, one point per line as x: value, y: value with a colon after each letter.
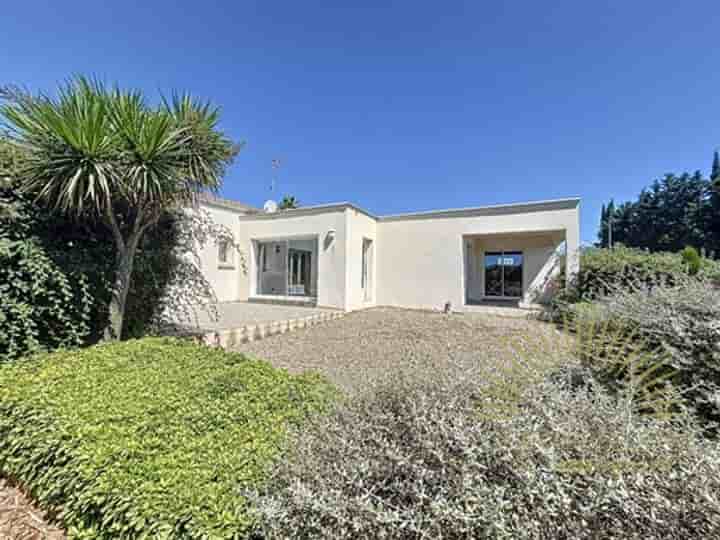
x: 386, y: 423
x: 596, y: 419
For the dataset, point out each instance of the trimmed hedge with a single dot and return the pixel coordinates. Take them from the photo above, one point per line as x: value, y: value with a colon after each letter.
x: 149, y: 438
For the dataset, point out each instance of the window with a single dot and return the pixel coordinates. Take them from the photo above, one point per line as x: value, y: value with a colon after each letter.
x: 366, y: 269
x: 225, y: 253
x: 503, y: 273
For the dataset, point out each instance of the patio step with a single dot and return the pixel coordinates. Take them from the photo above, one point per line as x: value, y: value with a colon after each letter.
x: 284, y: 301
x: 232, y: 337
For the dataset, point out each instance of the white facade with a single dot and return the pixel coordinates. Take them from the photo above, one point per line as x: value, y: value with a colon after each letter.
x: 341, y: 256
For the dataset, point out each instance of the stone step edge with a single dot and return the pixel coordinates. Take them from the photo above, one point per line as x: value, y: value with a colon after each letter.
x: 231, y: 337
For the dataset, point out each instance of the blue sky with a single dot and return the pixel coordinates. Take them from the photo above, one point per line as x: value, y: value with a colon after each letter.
x: 401, y: 106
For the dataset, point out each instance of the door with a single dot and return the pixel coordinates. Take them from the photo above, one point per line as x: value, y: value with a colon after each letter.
x: 503, y: 274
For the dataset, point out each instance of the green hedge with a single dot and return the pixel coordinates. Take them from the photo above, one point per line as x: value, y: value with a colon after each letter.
x: 620, y: 266
x: 148, y: 438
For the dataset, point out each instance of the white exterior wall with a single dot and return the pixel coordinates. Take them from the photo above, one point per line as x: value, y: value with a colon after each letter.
x: 418, y: 261
x: 224, y: 279
x: 421, y: 259
x: 331, y: 263
x: 360, y: 226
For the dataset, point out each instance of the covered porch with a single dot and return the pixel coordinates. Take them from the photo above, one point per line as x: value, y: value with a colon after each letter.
x: 286, y: 270
x: 512, y: 269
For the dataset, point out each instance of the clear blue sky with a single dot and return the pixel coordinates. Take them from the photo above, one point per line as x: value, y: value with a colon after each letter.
x: 411, y: 105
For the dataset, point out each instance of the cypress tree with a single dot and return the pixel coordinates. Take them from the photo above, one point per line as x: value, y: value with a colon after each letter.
x: 603, y: 226
x: 715, y: 171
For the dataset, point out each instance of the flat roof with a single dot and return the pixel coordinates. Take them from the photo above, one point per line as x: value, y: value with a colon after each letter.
x: 491, y: 210
x: 215, y: 200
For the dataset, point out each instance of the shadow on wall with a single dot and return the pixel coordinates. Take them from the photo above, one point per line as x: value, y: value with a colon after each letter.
x: 545, y: 285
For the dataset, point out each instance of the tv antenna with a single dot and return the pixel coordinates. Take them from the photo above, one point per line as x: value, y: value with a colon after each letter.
x: 273, y: 182
x: 270, y: 205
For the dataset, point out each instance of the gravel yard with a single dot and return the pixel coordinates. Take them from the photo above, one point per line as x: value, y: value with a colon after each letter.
x: 351, y: 352
x: 363, y: 345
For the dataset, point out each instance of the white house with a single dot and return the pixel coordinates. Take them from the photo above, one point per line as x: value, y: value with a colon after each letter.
x: 341, y: 256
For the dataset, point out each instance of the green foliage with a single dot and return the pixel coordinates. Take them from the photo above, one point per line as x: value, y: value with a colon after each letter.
x: 692, y: 259
x: 674, y: 212
x: 149, y: 438
x: 603, y: 269
x: 288, y: 202
x: 458, y: 454
x: 96, y: 149
x: 43, y: 305
x: 168, y: 278
x: 96, y: 152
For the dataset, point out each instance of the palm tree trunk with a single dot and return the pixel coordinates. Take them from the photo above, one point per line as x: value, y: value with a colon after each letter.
x: 124, y: 267
x: 123, y: 274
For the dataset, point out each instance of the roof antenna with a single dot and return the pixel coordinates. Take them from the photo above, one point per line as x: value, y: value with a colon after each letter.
x: 270, y: 205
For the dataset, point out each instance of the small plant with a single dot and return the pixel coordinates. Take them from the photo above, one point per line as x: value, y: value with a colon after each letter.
x: 692, y: 259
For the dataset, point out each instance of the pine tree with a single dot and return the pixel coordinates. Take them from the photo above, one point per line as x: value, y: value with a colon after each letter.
x: 715, y: 171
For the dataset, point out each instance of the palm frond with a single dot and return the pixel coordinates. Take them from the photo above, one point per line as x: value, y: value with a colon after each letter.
x: 91, y: 146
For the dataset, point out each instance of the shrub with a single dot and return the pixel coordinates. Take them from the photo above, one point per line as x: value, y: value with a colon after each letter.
x: 42, y: 305
x: 604, y: 269
x: 147, y: 438
x: 684, y: 321
x: 692, y: 259
x: 446, y: 455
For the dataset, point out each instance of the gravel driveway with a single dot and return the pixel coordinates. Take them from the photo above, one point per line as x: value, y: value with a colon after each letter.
x: 363, y: 345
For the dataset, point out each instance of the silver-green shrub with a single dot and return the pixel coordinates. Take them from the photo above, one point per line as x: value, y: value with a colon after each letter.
x: 493, y: 453
x: 684, y: 321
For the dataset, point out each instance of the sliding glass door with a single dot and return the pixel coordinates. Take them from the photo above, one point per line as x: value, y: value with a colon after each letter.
x: 299, y: 261
x: 503, y: 274
x: 287, y: 267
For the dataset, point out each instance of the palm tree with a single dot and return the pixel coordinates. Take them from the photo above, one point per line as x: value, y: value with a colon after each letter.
x: 107, y: 154
x: 288, y: 202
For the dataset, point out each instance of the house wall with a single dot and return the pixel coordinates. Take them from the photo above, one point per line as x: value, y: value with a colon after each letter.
x: 359, y: 227
x: 418, y: 261
x: 331, y: 263
x: 225, y: 280
x: 421, y: 260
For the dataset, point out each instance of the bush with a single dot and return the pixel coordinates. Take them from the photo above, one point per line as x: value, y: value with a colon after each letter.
x: 682, y: 320
x: 604, y: 269
x: 150, y: 438
x: 443, y: 455
x: 77, y: 257
x: 42, y: 305
x: 692, y: 260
